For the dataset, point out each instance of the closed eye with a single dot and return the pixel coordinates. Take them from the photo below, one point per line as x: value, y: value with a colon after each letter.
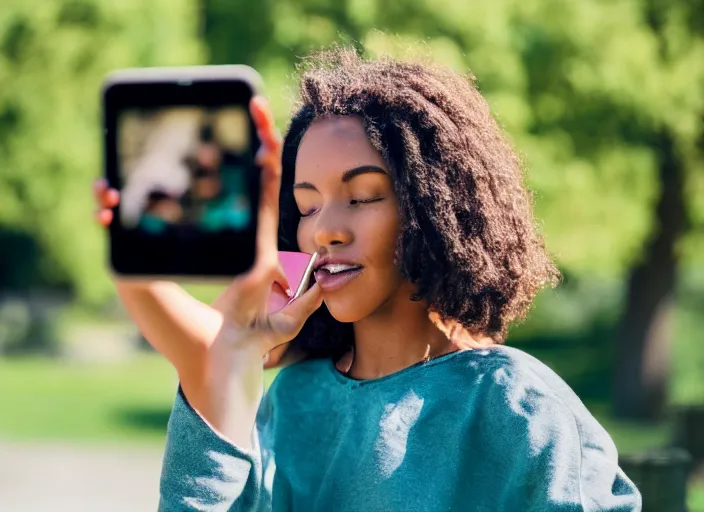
x: 354, y: 202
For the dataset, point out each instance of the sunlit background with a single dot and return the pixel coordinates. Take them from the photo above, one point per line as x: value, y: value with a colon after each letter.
x: 605, y: 101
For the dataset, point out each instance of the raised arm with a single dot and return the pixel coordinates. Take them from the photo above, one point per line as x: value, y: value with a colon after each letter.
x: 217, y: 351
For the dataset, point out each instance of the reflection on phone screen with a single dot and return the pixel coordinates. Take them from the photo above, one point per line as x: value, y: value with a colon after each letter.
x: 184, y: 168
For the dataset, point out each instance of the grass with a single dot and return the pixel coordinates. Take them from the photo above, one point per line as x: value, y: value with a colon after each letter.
x: 127, y: 401
x: 46, y: 400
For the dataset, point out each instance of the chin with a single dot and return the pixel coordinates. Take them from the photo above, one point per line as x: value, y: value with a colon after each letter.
x: 348, y: 309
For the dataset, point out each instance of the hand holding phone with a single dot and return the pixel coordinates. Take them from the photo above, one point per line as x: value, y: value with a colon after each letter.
x: 295, y: 265
x: 242, y: 301
x: 298, y: 267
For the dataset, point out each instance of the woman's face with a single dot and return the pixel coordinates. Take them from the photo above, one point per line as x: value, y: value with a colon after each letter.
x: 207, y: 187
x: 350, y: 215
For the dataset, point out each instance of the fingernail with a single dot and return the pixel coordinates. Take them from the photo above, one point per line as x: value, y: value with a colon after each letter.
x: 265, y: 358
x: 289, y: 293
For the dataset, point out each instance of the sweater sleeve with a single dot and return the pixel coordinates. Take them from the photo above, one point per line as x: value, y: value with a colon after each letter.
x: 203, y: 471
x: 556, y: 456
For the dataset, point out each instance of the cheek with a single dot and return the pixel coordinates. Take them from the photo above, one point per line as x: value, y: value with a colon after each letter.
x: 305, y: 237
x: 380, y: 234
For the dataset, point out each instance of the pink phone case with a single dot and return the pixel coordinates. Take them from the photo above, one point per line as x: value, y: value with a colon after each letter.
x: 294, y: 265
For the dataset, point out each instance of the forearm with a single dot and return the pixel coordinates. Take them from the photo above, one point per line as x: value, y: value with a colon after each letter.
x: 220, y: 374
x: 176, y: 324
x: 228, y: 392
x: 205, y: 472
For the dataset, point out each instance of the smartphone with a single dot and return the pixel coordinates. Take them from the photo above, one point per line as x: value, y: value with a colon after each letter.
x: 179, y: 147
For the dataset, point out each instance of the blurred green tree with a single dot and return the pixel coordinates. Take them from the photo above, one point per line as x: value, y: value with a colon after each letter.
x: 53, y: 57
x: 677, y: 138
x: 605, y: 99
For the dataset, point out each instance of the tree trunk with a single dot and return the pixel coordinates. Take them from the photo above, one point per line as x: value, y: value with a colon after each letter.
x: 643, y: 343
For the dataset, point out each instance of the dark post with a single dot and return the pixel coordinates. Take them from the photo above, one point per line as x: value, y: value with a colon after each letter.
x: 689, y: 433
x: 661, y: 477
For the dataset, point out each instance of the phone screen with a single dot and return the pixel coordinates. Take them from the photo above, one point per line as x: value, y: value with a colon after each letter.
x: 181, y: 156
x: 184, y: 168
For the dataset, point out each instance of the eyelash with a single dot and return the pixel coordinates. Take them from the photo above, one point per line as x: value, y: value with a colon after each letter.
x: 353, y: 202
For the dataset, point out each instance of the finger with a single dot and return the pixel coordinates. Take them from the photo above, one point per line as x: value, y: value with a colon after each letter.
x: 281, y: 279
x: 270, y: 163
x: 264, y: 122
x: 307, y: 303
x: 104, y: 217
x: 287, y: 323
x: 99, y: 188
x: 105, y: 196
x: 111, y: 198
x: 270, y: 137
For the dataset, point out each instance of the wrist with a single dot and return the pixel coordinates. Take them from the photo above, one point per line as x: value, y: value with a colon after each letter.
x: 226, y: 392
x: 128, y: 285
x: 224, y: 369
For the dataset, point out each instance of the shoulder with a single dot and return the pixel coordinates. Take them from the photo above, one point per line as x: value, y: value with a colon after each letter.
x: 532, y: 425
x: 520, y: 394
x: 518, y: 377
x: 511, y: 389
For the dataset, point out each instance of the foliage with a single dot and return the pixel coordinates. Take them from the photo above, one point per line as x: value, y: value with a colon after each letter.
x: 26, y: 328
x: 583, y: 87
x: 53, y: 58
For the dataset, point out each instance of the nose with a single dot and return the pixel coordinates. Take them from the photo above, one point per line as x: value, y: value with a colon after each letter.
x: 332, y: 228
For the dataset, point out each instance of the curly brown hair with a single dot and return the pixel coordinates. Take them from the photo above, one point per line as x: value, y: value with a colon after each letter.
x: 468, y: 240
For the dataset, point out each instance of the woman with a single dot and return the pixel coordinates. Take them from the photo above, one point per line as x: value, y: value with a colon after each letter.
x: 397, y: 175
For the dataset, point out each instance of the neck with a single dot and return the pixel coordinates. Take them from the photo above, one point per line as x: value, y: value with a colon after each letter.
x: 397, y: 336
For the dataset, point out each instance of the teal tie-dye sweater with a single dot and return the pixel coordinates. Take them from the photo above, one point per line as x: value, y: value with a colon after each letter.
x: 481, y: 430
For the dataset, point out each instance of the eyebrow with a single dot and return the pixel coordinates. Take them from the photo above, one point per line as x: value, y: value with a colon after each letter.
x: 346, y: 177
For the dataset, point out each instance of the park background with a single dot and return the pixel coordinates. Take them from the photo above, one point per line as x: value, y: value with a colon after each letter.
x: 604, y: 100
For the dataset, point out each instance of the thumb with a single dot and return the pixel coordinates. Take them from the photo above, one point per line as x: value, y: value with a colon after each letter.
x: 287, y: 323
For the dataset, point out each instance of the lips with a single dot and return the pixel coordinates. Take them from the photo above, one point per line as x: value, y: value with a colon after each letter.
x: 342, y: 273
x: 330, y: 282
